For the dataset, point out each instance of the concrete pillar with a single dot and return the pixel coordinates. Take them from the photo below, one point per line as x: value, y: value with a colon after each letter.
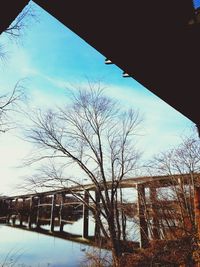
x: 10, y: 204
x: 197, y: 213
x: 9, y: 210
x: 197, y: 208
x: 21, y: 217
x: 53, y: 205
x: 142, y: 219
x: 3, y: 208
x: 2, y: 205
x: 155, y: 221
x: 85, y: 215
x: 16, y: 204
x: 17, y: 210
x: 38, y: 211
x: 30, y: 212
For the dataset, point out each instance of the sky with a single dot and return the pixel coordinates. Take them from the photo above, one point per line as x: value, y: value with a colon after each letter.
x: 196, y: 3
x: 48, y: 59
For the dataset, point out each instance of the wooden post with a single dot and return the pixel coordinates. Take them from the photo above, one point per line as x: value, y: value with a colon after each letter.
x: 141, y: 214
x: 61, y: 210
x: 53, y: 205
x: 155, y: 220
x: 85, y: 215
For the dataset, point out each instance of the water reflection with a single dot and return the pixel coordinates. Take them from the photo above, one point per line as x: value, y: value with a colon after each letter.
x: 72, y: 226
x: 36, y: 249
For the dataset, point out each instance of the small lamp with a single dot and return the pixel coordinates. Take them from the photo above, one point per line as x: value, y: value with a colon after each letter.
x: 108, y: 61
x: 125, y: 74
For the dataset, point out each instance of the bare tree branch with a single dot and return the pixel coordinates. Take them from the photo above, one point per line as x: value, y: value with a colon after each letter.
x: 94, y: 135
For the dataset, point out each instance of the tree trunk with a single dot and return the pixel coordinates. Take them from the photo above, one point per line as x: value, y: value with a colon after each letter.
x: 116, y: 255
x: 115, y: 244
x: 116, y: 249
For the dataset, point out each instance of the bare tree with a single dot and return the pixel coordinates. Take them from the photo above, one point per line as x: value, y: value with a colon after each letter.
x: 9, y: 101
x: 9, y: 104
x: 16, y: 29
x: 94, y: 135
x: 20, y: 23
x: 175, y: 203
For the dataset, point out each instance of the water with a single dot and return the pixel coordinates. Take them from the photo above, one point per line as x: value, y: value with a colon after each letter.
x: 73, y: 228
x: 26, y: 248
x: 34, y: 249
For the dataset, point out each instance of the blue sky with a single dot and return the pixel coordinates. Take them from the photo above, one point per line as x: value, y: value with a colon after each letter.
x: 51, y: 58
x: 196, y: 3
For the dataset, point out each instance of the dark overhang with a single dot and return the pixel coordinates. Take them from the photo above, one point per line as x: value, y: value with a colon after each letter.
x: 153, y: 41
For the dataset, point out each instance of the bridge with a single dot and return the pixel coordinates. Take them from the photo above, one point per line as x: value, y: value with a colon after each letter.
x: 55, y: 204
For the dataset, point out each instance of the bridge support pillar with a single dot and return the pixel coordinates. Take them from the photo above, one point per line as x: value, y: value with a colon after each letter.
x: 197, y: 208
x: 9, y: 210
x: 61, y: 211
x: 30, y: 212
x: 3, y: 208
x: 16, y: 208
x: 38, y: 212
x: 85, y: 215
x: 142, y: 218
x: 155, y: 221
x: 53, y: 205
x: 21, y: 213
x: 16, y: 204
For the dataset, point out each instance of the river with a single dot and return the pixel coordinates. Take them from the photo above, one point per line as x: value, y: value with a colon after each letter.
x: 33, y: 249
